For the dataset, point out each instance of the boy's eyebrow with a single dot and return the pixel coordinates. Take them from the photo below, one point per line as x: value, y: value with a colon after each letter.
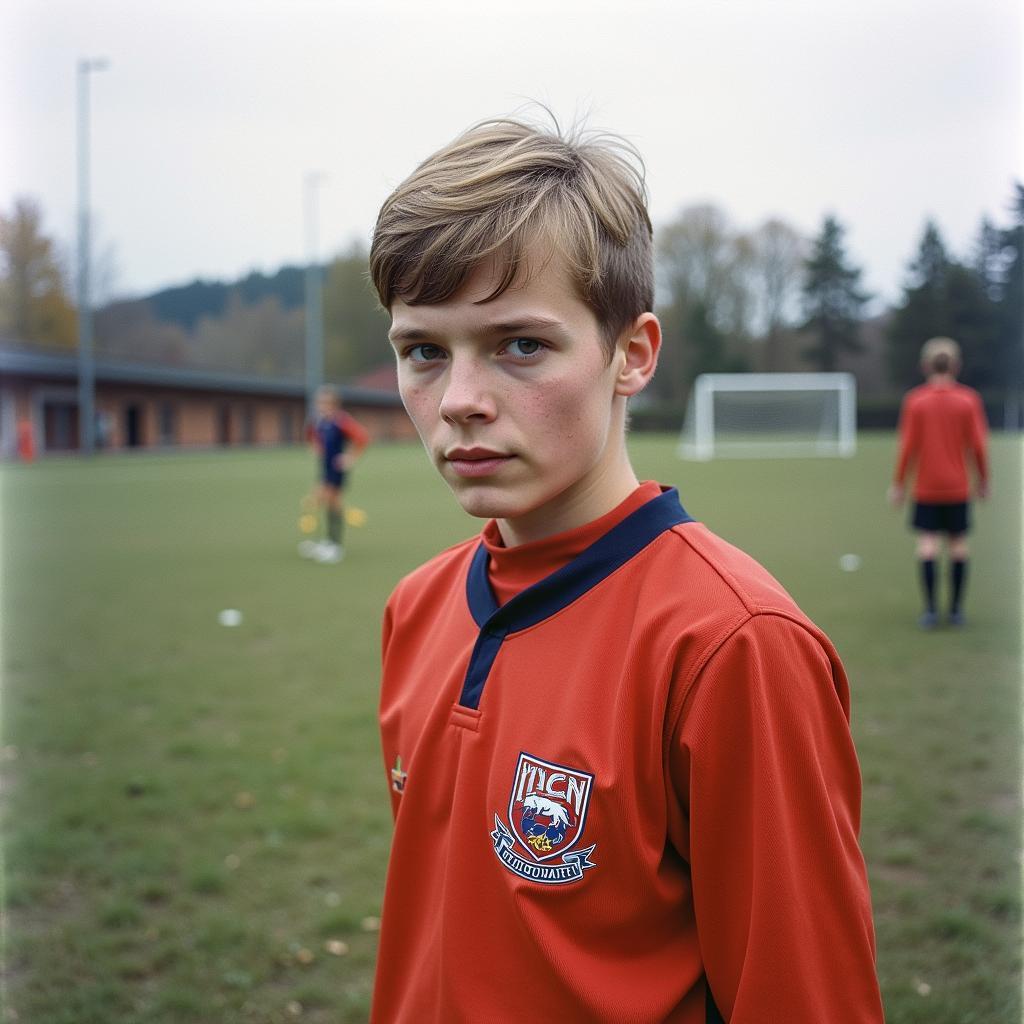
x: 409, y: 334
x: 518, y: 324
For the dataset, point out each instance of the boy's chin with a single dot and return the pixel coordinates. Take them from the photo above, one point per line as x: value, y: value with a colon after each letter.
x: 490, y: 503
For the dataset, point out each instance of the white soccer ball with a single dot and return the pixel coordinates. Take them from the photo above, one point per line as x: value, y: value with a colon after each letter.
x: 230, y: 617
x: 849, y: 563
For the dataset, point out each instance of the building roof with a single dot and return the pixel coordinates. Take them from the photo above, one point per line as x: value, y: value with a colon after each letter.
x: 19, y: 360
x: 380, y: 378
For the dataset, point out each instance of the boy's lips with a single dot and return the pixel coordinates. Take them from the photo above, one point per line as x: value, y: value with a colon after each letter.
x: 474, y: 462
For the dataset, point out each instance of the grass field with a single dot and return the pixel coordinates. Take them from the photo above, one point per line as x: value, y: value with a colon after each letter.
x: 195, y: 817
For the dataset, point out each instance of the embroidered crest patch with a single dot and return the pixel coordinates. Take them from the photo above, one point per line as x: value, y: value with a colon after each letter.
x: 547, y: 811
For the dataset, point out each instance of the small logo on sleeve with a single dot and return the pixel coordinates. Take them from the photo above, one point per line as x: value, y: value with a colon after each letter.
x: 547, y: 811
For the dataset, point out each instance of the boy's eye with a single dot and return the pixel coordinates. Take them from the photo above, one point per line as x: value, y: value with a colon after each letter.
x: 523, y: 347
x: 424, y: 353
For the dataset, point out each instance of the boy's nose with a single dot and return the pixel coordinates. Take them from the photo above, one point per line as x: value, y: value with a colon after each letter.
x: 466, y: 395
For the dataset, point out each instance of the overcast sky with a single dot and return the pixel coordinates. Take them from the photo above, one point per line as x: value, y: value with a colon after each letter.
x: 210, y: 115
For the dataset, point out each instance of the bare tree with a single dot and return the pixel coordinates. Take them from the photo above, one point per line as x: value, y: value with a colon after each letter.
x: 707, y: 304
x: 776, y: 268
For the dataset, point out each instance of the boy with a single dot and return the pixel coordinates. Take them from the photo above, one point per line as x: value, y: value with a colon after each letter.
x: 941, y: 421
x: 620, y: 764
x: 332, y: 433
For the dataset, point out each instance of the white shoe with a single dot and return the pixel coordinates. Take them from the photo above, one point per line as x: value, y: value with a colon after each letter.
x: 328, y: 553
x: 308, y: 548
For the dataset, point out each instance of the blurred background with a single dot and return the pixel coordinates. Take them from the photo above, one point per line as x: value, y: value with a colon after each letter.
x: 230, y: 144
x: 195, y: 820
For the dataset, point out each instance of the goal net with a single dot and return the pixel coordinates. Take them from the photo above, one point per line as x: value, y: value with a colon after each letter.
x: 765, y: 415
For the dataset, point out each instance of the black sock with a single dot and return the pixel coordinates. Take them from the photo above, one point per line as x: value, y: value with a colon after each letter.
x: 334, y: 526
x: 928, y: 582
x: 957, y: 576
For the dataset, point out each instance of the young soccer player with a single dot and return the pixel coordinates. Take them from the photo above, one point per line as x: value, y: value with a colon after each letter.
x: 942, y: 422
x: 339, y: 440
x: 619, y: 755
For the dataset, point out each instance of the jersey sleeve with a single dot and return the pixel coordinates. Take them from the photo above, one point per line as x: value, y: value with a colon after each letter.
x: 357, y: 434
x: 763, y: 763
x: 387, y: 630
x: 979, y: 438
x: 909, y: 440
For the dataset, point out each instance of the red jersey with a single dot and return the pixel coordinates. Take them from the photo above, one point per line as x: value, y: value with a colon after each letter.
x: 940, y: 422
x: 626, y: 794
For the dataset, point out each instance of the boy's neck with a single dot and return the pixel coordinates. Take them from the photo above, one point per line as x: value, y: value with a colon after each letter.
x: 581, y: 504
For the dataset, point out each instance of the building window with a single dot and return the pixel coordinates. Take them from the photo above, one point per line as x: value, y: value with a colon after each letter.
x: 248, y: 425
x: 133, y: 427
x: 287, y: 426
x: 224, y: 424
x: 60, y: 426
x: 168, y: 419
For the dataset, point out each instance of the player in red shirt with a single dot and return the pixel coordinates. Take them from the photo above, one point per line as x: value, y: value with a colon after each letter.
x: 619, y: 755
x: 941, y: 424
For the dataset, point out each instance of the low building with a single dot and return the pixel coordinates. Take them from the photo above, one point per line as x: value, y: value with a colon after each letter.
x: 150, y: 406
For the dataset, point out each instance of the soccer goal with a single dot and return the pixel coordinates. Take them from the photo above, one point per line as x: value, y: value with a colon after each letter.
x: 766, y: 415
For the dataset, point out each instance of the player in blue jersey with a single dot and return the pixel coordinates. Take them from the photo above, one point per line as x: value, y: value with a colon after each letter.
x: 339, y: 440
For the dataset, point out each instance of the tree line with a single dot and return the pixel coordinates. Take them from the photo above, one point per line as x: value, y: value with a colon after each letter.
x: 730, y: 300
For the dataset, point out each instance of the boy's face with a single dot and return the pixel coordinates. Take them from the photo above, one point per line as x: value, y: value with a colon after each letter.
x: 326, y: 405
x: 515, y: 399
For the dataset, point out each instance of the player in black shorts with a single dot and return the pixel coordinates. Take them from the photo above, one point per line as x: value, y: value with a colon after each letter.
x: 942, y: 427
x: 339, y: 440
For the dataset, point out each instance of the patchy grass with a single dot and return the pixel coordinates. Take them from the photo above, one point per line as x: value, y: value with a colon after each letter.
x: 195, y: 817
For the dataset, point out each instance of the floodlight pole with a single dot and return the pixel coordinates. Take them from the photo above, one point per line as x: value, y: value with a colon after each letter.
x: 86, y: 361
x: 314, y: 295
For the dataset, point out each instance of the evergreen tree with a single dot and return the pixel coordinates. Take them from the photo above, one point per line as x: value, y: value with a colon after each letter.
x: 991, y: 258
x: 1010, y: 310
x: 924, y: 311
x: 833, y: 300
x: 708, y: 346
x: 962, y: 301
x: 972, y: 320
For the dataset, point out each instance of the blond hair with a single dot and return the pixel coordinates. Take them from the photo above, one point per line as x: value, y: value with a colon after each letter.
x: 940, y: 355
x: 501, y: 187
x: 325, y: 391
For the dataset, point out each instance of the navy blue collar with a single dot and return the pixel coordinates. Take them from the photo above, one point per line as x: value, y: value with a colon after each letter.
x: 586, y: 570
x: 561, y: 588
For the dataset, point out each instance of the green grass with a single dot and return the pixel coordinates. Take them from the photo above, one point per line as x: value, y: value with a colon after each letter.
x: 192, y: 813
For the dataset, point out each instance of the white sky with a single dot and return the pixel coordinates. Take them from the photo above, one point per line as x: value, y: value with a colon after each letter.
x: 210, y: 115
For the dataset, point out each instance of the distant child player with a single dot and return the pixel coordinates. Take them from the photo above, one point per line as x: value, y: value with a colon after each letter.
x: 339, y: 440
x: 619, y: 755
x: 942, y: 423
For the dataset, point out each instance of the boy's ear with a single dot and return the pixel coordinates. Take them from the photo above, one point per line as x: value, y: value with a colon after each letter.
x: 637, y: 354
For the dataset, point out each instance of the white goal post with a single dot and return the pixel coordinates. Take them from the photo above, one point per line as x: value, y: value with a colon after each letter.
x: 770, y: 415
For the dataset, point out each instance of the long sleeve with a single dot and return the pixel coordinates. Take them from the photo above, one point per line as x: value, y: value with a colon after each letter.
x: 909, y: 441
x: 763, y: 762
x: 979, y: 439
x: 390, y: 767
x: 357, y: 434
